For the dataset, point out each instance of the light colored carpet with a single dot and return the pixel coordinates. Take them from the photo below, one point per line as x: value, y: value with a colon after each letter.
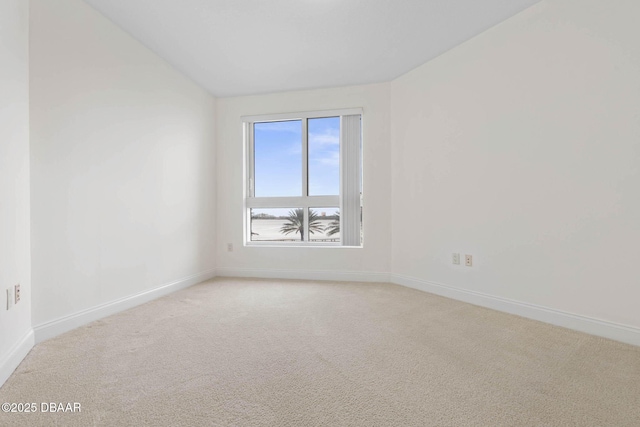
x: 238, y: 352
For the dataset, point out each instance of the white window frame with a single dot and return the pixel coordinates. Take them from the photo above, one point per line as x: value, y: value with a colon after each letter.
x: 350, y: 197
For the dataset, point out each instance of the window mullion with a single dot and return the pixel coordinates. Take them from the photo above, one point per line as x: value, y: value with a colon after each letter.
x: 252, y: 165
x: 249, y: 184
x: 305, y: 159
x: 305, y: 177
x: 306, y: 224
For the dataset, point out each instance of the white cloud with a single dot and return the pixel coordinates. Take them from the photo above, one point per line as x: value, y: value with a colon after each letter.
x: 324, y: 148
x: 329, y: 137
x: 328, y: 159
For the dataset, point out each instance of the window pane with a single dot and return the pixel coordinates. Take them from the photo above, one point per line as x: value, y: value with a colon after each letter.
x: 324, y: 224
x: 324, y: 156
x: 278, y: 158
x: 276, y: 225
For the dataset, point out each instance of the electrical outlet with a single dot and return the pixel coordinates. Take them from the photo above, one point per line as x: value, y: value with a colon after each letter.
x: 468, y: 260
x: 229, y: 247
x: 17, y: 293
x: 9, y: 298
x: 455, y: 258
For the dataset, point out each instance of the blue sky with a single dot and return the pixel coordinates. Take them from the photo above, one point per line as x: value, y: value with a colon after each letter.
x: 278, y: 157
x: 324, y: 156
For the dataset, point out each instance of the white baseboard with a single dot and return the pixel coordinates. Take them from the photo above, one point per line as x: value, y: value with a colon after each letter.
x: 614, y: 331
x: 10, y: 361
x: 64, y: 324
x: 343, y: 276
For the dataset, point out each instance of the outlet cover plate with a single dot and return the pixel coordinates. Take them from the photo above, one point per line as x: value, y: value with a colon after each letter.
x: 468, y: 260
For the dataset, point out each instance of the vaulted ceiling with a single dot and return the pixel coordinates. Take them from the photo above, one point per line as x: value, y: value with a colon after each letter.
x: 240, y: 47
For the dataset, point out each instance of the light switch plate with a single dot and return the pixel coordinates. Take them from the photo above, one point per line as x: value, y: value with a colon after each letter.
x: 9, y: 298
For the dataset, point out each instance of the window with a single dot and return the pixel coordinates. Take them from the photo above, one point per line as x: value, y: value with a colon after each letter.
x: 304, y: 179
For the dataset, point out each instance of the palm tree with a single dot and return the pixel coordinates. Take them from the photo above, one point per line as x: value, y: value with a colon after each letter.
x: 334, y: 226
x: 295, y: 223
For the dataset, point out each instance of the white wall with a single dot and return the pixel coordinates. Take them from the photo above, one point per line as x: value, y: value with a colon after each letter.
x: 122, y: 162
x: 15, y: 324
x: 353, y: 263
x: 522, y: 147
